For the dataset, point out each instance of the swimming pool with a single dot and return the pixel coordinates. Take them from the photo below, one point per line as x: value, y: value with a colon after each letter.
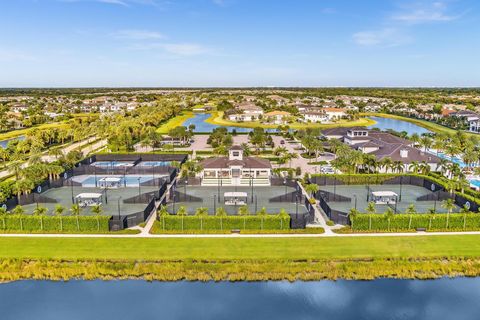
x: 475, y: 183
x: 154, y: 163
x: 456, y: 160
x: 128, y: 181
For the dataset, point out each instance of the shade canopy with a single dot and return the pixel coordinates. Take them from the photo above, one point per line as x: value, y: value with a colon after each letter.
x: 235, y: 194
x: 89, y: 196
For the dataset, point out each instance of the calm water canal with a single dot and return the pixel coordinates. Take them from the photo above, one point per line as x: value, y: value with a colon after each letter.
x: 398, y: 125
x: 380, y: 299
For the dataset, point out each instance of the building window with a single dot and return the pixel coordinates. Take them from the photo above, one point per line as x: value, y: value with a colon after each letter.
x: 236, y: 153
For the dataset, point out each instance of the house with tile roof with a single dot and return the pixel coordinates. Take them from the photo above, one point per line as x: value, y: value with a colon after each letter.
x: 236, y: 170
x: 383, y: 145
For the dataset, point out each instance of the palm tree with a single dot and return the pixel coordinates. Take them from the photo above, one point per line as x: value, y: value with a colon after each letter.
x: 389, y: 215
x: 426, y: 142
x: 97, y: 210
x: 371, y: 209
x: 40, y: 212
x: 449, y: 205
x: 353, y: 213
x: 414, y: 166
x: 201, y: 212
x: 311, y: 188
x: 465, y: 209
x: 4, y: 154
x: 222, y: 213
x: 397, y: 166
x: 19, y: 211
x: 182, y: 212
x: 76, y: 210
x: 3, y: 214
x: 283, y: 215
x: 244, y: 211
x: 415, y: 138
x: 410, y: 211
x: 262, y: 214
x: 163, y: 213
x: 58, y: 211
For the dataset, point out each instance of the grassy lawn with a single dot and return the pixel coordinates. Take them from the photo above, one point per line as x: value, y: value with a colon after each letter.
x: 216, y: 118
x: 175, y: 122
x: 422, y: 123
x: 215, y: 249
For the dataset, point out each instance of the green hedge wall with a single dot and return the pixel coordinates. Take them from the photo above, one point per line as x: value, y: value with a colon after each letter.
x: 270, y: 222
x: 50, y: 223
x: 470, y: 195
x: 406, y: 222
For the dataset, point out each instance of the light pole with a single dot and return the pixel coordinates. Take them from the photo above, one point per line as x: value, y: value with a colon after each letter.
x: 106, y: 194
x: 255, y: 203
x: 173, y: 207
x: 285, y: 183
x: 139, y: 187
x: 355, y: 201
x: 214, y: 203
x: 95, y: 173
x: 118, y: 204
x: 185, y: 188
x: 71, y: 187
x: 296, y: 206
x: 401, y: 184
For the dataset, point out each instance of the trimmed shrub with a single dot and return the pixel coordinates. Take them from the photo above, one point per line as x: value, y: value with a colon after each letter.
x: 253, y: 222
x: 407, y: 222
x: 53, y: 223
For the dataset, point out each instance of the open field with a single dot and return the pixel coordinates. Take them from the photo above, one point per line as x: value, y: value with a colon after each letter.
x: 215, y: 249
x: 216, y: 119
x: 175, y: 122
x: 235, y: 259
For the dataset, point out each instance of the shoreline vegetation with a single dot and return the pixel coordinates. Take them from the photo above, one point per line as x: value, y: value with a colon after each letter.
x: 216, y: 118
x: 240, y: 259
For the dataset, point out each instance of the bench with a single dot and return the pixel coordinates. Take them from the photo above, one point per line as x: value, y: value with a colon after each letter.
x: 235, y: 231
x: 421, y: 229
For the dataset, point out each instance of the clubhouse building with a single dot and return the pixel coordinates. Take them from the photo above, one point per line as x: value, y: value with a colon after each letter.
x: 236, y: 170
x: 383, y: 145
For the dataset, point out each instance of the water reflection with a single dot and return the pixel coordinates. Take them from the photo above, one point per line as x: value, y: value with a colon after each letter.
x: 380, y: 299
x: 398, y: 125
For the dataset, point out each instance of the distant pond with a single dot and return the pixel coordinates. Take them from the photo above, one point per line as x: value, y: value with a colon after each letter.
x: 202, y: 126
x: 3, y: 143
x: 134, y: 299
x: 398, y: 125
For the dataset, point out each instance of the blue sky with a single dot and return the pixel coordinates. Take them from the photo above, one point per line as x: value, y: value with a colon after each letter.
x: 239, y: 43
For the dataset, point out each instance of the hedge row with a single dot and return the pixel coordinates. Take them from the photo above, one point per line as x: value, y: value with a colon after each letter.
x: 270, y: 222
x: 407, y: 222
x: 53, y: 223
x: 353, y: 179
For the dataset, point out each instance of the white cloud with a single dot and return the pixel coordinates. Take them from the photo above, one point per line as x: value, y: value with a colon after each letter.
x: 389, y: 37
x: 138, y: 35
x: 425, y: 12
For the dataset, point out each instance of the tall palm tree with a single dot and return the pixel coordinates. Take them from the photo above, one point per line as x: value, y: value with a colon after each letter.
x: 262, y: 214
x: 371, y: 209
x: 244, y: 212
x: 283, y: 215
x: 40, y: 212
x: 3, y: 214
x: 58, y: 212
x: 76, y: 210
x: 97, y: 210
x: 201, y: 213
x: 19, y: 211
x: 221, y: 213
x: 182, y: 212
x: 449, y: 205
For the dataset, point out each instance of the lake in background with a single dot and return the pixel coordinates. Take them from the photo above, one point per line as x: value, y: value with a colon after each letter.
x: 3, y: 143
x: 398, y: 125
x: 134, y: 299
x: 201, y: 126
